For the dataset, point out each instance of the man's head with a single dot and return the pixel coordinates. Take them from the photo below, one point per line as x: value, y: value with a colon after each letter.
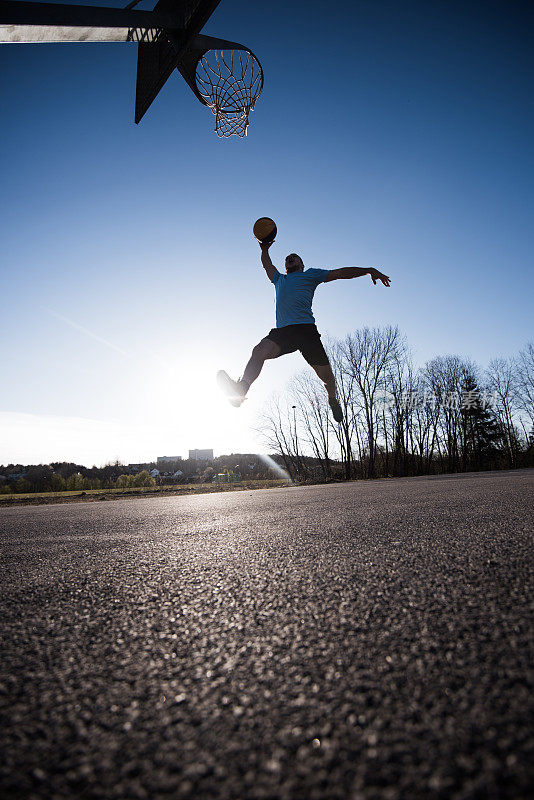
x: 294, y: 263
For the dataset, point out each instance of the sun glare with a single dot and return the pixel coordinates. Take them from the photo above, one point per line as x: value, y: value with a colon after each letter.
x: 191, y: 408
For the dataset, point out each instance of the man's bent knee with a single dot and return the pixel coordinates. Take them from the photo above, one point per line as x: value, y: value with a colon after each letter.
x: 266, y: 349
x: 324, y: 371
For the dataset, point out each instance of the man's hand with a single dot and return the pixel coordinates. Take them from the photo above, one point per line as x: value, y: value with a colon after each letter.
x: 378, y: 276
x: 267, y: 264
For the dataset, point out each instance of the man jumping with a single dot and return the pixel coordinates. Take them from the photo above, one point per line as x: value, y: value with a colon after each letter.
x: 295, y: 324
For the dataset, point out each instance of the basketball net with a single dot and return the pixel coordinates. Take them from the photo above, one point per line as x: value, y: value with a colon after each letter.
x: 230, y: 82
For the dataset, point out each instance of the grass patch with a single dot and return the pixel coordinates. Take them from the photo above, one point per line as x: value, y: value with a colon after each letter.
x: 40, y: 498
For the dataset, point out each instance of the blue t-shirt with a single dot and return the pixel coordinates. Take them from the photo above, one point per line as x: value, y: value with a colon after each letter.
x: 294, y: 295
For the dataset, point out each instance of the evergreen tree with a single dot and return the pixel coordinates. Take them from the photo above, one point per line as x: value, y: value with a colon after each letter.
x: 481, y: 431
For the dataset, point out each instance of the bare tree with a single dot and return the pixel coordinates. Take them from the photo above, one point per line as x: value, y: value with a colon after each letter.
x: 425, y: 422
x: 368, y: 355
x: 348, y: 430
x: 398, y: 408
x: 501, y: 382
x: 524, y: 382
x: 275, y: 429
x: 313, y: 411
x: 445, y: 379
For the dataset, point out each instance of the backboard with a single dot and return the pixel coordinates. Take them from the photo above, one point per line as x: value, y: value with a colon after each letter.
x: 157, y: 60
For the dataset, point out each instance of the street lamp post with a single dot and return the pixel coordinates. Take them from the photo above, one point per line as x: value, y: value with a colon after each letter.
x: 297, y: 455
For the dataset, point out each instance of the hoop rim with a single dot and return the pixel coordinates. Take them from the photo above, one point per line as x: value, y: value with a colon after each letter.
x: 236, y: 116
x: 230, y: 109
x: 201, y: 45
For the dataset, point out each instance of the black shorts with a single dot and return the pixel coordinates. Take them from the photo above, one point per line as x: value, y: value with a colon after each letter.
x: 305, y: 338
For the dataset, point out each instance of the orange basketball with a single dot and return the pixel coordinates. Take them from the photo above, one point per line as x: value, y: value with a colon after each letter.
x: 264, y: 230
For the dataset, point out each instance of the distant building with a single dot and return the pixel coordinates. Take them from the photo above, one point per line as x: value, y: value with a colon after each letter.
x: 167, y: 459
x: 201, y: 455
x: 154, y: 473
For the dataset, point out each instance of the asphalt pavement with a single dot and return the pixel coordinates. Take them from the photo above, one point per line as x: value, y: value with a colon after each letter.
x: 360, y: 641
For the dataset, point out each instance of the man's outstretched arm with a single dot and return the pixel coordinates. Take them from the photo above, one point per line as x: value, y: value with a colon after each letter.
x: 267, y: 264
x: 357, y: 272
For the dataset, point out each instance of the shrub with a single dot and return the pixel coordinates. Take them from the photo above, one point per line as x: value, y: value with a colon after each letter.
x: 124, y: 481
x: 144, y: 479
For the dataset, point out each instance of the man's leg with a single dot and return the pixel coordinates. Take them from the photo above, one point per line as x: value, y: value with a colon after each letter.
x: 263, y: 350
x: 237, y: 390
x: 324, y: 372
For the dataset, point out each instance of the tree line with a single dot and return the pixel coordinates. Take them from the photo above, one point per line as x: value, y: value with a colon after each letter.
x: 449, y: 415
x: 68, y: 476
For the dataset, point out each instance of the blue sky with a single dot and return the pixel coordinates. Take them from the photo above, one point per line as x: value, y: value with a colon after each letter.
x: 389, y: 134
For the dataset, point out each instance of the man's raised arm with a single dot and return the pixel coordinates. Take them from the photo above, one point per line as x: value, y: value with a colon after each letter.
x: 357, y: 272
x: 268, y: 265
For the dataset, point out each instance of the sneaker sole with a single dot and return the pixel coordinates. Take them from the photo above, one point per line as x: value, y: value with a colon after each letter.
x: 228, y: 386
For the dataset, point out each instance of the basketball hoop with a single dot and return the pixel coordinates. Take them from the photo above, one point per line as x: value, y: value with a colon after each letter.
x: 229, y: 82
x: 225, y: 76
